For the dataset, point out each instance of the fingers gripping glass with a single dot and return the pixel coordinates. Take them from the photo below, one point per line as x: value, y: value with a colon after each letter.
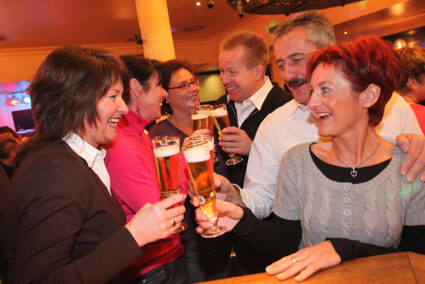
x: 221, y: 121
x: 186, y: 85
x: 197, y: 155
x: 167, y: 159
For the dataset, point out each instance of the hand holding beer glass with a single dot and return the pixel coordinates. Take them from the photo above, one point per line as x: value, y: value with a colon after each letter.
x: 167, y: 159
x: 197, y: 155
x: 221, y: 121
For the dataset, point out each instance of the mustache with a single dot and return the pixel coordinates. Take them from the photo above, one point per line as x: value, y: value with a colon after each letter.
x: 296, y: 82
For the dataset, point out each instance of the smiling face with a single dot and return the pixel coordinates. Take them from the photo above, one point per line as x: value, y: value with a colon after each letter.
x: 240, y: 81
x: 150, y: 100
x: 183, y: 101
x: 291, y: 52
x: 339, y: 110
x: 110, y: 109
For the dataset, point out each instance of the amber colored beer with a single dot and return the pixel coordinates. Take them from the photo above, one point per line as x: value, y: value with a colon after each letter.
x: 198, y: 163
x: 167, y: 159
x: 221, y: 119
x: 200, y: 121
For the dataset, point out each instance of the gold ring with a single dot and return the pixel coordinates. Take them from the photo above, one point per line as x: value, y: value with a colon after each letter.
x: 173, y: 222
x: 294, y: 259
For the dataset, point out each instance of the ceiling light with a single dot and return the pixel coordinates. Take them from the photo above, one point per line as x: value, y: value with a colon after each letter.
x: 26, y: 99
x: 11, y: 100
x: 400, y: 43
x: 345, y: 33
x: 198, y: 3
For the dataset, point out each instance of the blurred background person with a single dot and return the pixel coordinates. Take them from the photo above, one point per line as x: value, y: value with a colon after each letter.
x: 412, y: 85
x: 344, y: 198
x: 62, y: 223
x: 206, y: 259
x: 9, y: 147
x: 6, y: 130
x: 131, y: 164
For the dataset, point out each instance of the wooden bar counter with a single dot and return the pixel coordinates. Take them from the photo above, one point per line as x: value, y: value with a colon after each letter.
x: 402, y: 267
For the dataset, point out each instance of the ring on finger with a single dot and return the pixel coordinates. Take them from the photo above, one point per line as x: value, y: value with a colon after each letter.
x: 294, y: 259
x: 173, y: 222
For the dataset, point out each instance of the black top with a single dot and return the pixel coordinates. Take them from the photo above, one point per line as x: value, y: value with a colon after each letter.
x: 280, y: 237
x: 276, y: 97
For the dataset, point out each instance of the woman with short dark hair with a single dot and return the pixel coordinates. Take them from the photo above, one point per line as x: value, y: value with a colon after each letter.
x: 62, y: 223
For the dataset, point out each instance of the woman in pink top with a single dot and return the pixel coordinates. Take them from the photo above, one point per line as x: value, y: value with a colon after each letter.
x: 131, y: 165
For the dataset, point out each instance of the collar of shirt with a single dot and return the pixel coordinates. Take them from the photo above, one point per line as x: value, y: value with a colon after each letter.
x: 297, y: 106
x: 255, y: 101
x: 133, y: 123
x: 93, y: 157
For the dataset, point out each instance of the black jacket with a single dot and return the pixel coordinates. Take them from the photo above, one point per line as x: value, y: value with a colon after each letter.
x: 276, y: 98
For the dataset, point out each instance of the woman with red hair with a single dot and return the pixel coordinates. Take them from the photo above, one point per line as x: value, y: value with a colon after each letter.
x: 343, y: 197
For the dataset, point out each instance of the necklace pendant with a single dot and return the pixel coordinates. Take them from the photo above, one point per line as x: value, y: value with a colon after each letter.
x: 353, y: 173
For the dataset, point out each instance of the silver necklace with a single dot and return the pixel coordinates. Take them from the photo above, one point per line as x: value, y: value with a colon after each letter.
x: 354, y: 171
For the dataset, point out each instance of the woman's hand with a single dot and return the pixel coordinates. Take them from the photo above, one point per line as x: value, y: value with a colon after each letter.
x: 228, y: 216
x: 305, y: 262
x: 235, y: 140
x: 157, y: 221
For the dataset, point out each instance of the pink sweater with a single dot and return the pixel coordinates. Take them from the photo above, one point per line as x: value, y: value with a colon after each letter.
x: 131, y: 166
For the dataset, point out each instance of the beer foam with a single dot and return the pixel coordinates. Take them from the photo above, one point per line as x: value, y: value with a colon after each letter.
x: 166, y: 151
x: 199, y: 116
x: 197, y: 154
x: 219, y: 112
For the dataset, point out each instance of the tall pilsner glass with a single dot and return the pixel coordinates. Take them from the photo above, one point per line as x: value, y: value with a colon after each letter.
x: 167, y: 159
x: 198, y: 118
x: 197, y: 155
x: 221, y: 121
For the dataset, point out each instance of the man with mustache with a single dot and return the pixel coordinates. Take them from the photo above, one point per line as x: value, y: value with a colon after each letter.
x: 292, y: 124
x: 250, y: 97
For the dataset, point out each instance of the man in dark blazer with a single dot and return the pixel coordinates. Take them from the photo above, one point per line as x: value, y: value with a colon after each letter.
x: 250, y: 97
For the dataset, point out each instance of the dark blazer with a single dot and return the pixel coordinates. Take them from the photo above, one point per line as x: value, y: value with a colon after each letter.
x: 276, y: 98
x: 61, y: 224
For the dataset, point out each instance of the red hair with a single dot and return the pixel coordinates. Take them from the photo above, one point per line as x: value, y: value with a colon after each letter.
x: 367, y: 60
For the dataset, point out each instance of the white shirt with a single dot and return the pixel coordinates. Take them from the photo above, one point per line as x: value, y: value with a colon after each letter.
x: 244, y: 109
x: 95, y: 158
x: 290, y: 125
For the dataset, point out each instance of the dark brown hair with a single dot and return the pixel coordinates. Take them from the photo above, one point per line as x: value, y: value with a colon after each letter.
x: 168, y: 68
x: 67, y: 87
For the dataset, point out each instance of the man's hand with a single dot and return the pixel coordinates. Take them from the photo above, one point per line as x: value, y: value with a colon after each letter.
x: 226, y: 191
x: 414, y: 161
x: 235, y: 140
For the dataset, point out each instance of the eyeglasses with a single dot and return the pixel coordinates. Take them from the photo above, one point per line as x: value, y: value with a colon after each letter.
x: 186, y: 85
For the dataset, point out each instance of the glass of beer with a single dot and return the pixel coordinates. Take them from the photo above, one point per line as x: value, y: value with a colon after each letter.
x: 221, y: 121
x: 197, y: 155
x: 211, y: 145
x: 167, y: 159
x: 198, y: 118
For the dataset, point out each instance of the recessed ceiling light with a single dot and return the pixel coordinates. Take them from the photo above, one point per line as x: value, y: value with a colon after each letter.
x: 346, y: 33
x: 198, y: 3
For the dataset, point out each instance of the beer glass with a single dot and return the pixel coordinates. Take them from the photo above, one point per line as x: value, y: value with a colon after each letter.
x: 211, y: 145
x: 221, y: 121
x: 199, y: 114
x: 197, y: 155
x: 167, y: 159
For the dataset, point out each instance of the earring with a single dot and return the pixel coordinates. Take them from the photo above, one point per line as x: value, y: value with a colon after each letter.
x: 138, y: 112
